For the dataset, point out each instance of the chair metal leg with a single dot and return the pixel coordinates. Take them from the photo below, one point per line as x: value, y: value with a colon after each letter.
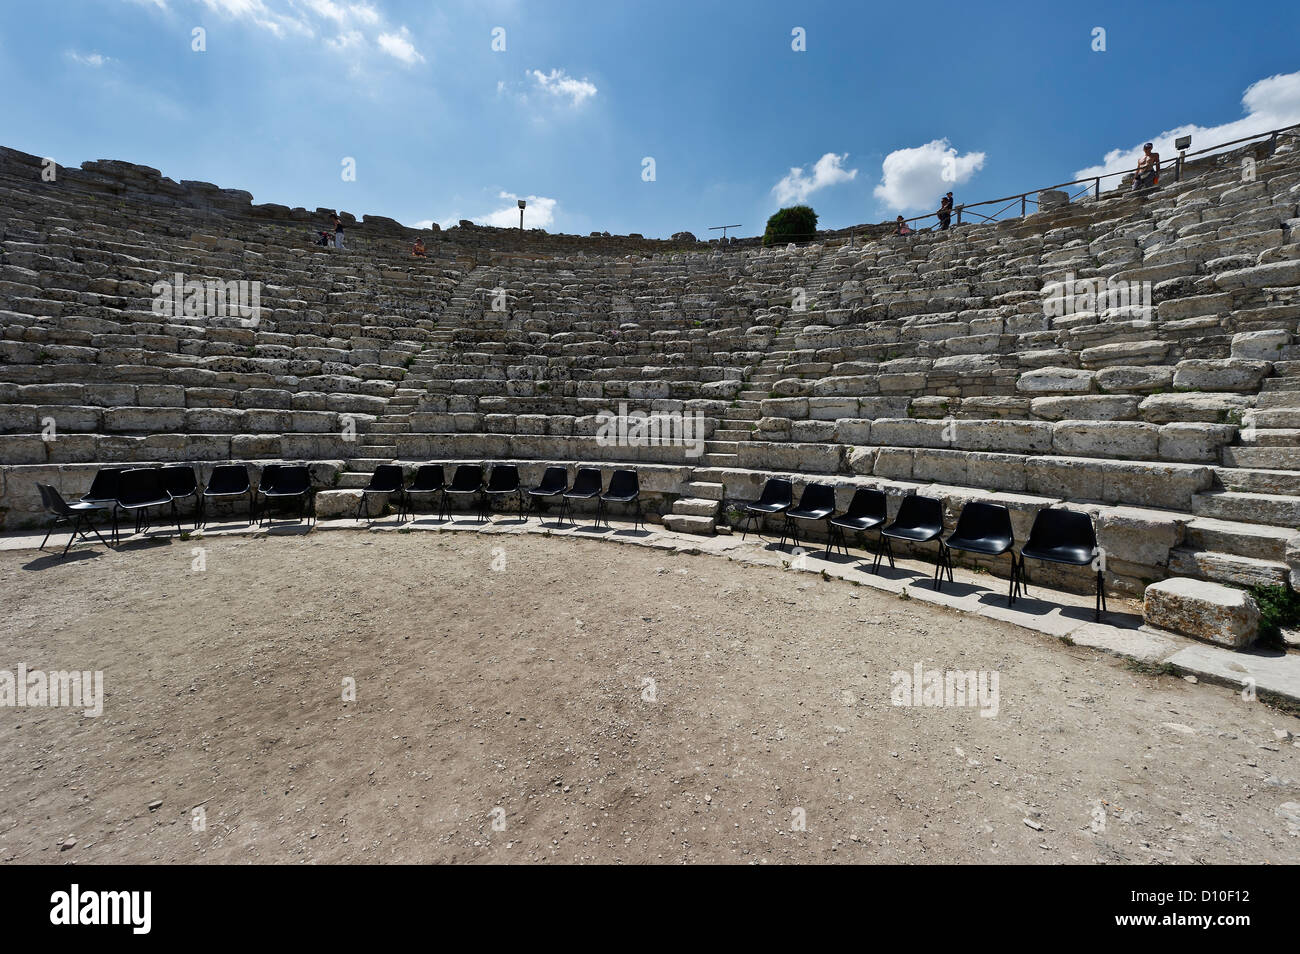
x: 1013, y: 585
x: 53, y: 523
x: 1101, y: 597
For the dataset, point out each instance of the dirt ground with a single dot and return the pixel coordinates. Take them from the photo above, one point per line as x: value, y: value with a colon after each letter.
x: 504, y: 712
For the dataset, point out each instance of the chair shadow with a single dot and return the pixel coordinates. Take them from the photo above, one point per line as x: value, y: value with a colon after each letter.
x: 632, y: 532
x: 48, y: 560
x: 954, y: 587
x: 143, y: 543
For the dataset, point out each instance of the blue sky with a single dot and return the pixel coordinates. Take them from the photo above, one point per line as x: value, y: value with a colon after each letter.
x: 442, y: 126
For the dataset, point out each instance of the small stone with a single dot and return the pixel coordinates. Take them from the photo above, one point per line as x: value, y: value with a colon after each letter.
x: 1032, y: 824
x: 155, y: 805
x: 70, y: 843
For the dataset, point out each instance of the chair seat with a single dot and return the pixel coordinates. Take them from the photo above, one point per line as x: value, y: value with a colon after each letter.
x: 84, y: 506
x: 856, y: 523
x: 619, y: 498
x: 539, y: 492
x: 583, y: 495
x: 154, y: 502
x: 915, y: 534
x: 766, y: 508
x: 1071, y: 555
x: 297, y: 493
x: 812, y: 513
x: 985, y: 545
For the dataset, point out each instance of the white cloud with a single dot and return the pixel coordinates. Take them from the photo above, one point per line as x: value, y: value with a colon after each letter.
x: 917, y: 178
x: 540, y: 214
x: 1270, y: 103
x: 348, y: 40
x: 829, y: 170
x: 560, y: 84
x: 93, y: 60
x: 399, y: 46
x: 160, y: 4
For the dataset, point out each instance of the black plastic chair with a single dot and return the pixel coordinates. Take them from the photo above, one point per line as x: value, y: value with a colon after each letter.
x: 867, y: 511
x: 555, y: 481
x: 103, y: 489
x: 466, y: 481
x: 227, y: 482
x: 985, y: 529
x: 624, y: 487
x: 137, y: 491
x: 586, y: 485
x: 777, y: 497
x: 1066, y: 537
x: 429, y: 479
x: 76, y: 513
x: 502, y: 482
x: 919, y: 520
x: 387, y: 479
x: 817, y: 502
x: 182, y: 484
x: 282, y: 482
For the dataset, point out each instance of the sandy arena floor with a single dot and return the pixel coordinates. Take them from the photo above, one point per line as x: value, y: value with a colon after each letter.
x: 500, y: 716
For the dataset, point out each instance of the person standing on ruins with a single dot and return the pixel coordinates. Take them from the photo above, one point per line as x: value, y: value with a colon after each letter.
x: 945, y: 211
x: 1148, y: 169
x: 338, y: 230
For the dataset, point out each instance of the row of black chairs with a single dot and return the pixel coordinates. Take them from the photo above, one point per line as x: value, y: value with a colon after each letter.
x: 136, y: 490
x: 984, y: 529
x: 502, y: 483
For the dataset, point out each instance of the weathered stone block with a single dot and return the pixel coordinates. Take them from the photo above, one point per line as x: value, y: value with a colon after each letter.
x: 1210, y: 611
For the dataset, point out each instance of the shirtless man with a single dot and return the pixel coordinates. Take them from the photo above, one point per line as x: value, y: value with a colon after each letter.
x: 1148, y: 170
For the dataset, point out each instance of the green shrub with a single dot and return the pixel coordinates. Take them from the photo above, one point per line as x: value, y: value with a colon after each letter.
x: 1279, y: 606
x: 798, y: 223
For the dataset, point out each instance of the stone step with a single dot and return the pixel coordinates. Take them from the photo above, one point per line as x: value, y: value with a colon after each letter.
x: 706, y: 489
x: 720, y: 447
x: 1264, y: 458
x: 365, y: 465
x: 1275, y: 417
x: 1269, y: 400
x: 1275, y: 385
x: 389, y: 427
x: 351, y: 480
x: 731, y: 434
x: 696, y: 507
x: 721, y: 460
x: 1274, y: 509
x: 1269, y: 437
x: 752, y: 395
x: 685, y: 523
x: 1252, y: 481
x: 1226, y: 567
x: 1253, y: 540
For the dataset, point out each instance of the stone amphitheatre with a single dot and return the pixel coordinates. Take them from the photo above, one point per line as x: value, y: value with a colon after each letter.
x: 409, y: 685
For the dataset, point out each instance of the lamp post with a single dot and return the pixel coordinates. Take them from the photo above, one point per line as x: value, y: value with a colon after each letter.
x: 522, y: 203
x: 1182, y: 144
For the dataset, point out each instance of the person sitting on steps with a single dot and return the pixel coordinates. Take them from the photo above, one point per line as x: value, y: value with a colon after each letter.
x: 1148, y: 169
x: 418, y: 249
x: 901, y: 227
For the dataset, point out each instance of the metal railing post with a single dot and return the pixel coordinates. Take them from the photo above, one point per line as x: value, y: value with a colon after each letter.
x: 1023, y: 200
x: 1097, y: 184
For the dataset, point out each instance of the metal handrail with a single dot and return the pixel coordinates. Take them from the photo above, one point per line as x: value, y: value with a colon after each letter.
x: 1095, y: 181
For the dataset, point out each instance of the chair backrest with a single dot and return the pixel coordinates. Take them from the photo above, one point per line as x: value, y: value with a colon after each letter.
x: 777, y: 490
x: 868, y: 502
x: 54, y: 502
x: 623, y: 483
x: 291, y: 480
x: 104, y: 486
x: 920, y: 512
x: 556, y: 479
x: 138, y: 486
x: 504, y: 478
x: 817, y: 497
x: 179, y: 480
x: 587, y: 481
x: 46, y: 502
x: 270, y: 473
x: 467, y: 477
x: 428, y: 477
x: 229, y: 479
x: 387, y: 478
x: 1054, y: 527
x: 985, y: 521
